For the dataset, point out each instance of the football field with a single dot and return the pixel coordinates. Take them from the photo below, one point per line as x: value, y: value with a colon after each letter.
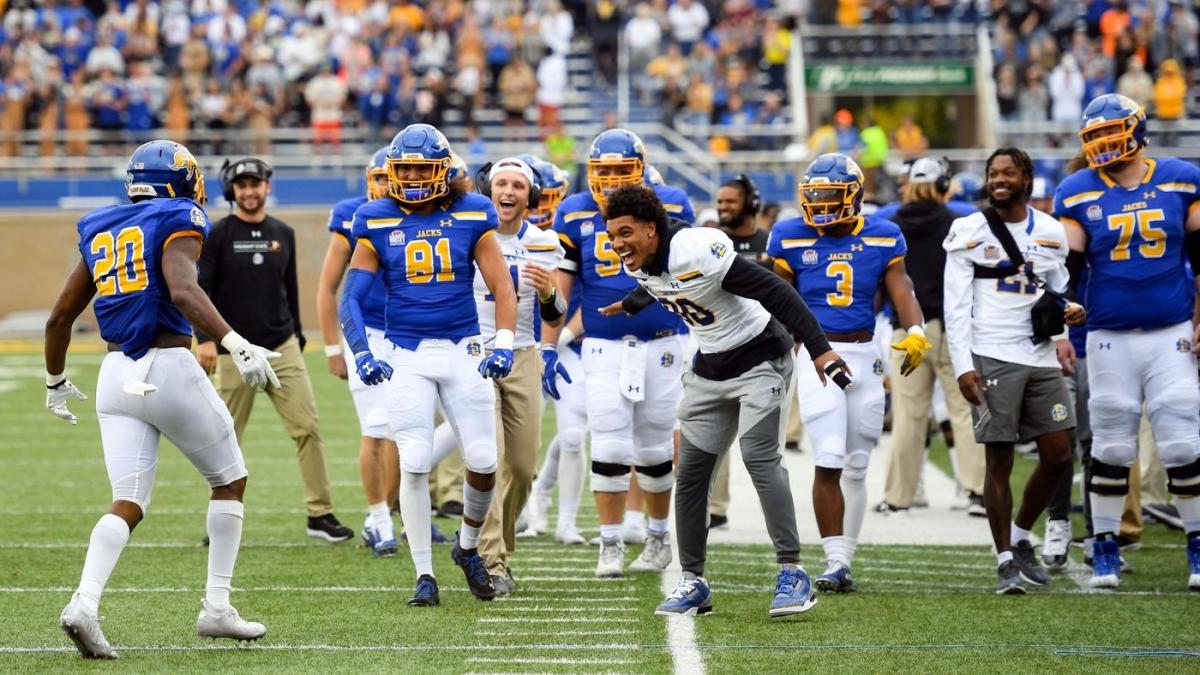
x: 335, y: 608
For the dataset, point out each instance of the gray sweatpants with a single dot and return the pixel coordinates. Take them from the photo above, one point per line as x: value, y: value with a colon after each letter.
x: 748, y: 407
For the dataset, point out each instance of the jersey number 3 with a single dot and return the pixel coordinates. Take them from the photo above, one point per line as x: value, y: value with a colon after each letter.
x: 120, y: 265
x: 844, y: 287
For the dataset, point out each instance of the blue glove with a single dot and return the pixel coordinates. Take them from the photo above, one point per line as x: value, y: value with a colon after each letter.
x: 552, y: 371
x: 497, y: 365
x: 371, y: 370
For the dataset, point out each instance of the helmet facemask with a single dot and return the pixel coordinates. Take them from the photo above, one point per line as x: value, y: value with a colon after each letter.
x: 420, y: 190
x: 825, y: 204
x: 1110, y: 141
x: 607, y: 175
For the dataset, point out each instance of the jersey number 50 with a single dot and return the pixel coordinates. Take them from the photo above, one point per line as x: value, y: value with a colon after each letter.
x: 120, y: 265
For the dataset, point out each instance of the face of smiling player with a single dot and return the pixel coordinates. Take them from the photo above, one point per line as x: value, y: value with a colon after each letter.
x: 1006, y: 182
x: 633, y: 241
x: 510, y: 196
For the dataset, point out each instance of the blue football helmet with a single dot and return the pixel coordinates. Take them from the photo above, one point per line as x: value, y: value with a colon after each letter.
x: 424, y: 147
x: 554, y: 189
x: 1113, y: 130
x: 164, y: 169
x: 653, y: 177
x: 965, y: 187
x: 458, y: 168
x: 831, y: 191
x: 617, y: 158
x: 377, y: 167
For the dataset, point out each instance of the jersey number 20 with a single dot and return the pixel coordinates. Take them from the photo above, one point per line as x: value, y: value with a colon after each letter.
x: 120, y: 265
x: 692, y: 313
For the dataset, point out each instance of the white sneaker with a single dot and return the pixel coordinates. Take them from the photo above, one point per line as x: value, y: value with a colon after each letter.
x: 535, y: 511
x: 84, y: 631
x: 655, y: 557
x: 612, y: 559
x: 226, y: 624
x: 1054, y: 550
x: 633, y: 532
x: 569, y: 535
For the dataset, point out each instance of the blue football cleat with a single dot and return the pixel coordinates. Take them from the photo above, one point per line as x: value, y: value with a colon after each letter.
x: 793, y: 593
x: 1193, y: 552
x: 436, y: 536
x: 475, y: 569
x: 691, y: 597
x: 836, y: 579
x: 1106, y: 564
x: 369, y: 536
x: 427, y: 593
x: 384, y: 548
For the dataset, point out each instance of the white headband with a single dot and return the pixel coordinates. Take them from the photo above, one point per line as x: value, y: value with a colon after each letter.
x: 511, y: 164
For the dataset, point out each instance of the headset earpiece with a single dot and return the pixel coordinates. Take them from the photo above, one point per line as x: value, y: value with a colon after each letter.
x: 226, y: 184
x: 228, y: 168
x: 942, y: 184
x: 753, y: 199
x: 482, y: 183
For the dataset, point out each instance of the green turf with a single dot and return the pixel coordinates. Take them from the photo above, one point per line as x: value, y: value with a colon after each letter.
x: 334, y: 608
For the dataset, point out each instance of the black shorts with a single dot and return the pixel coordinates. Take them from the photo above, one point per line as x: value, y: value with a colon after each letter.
x: 1023, y: 402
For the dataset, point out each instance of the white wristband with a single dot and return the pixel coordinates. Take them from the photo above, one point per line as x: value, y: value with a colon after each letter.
x: 333, y: 350
x: 916, y: 330
x: 566, y: 337
x: 55, y: 380
x: 232, y: 342
x: 504, y: 339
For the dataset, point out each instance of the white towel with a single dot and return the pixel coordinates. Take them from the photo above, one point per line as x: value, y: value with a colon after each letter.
x: 633, y: 369
x: 136, y: 384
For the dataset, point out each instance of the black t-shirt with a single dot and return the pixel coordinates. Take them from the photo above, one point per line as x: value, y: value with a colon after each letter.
x: 249, y: 271
x: 753, y: 247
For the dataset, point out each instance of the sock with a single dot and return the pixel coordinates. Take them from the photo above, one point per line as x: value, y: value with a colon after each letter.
x: 658, y: 525
x: 835, y: 551
x: 854, y: 494
x: 1003, y: 557
x: 475, y: 506
x: 414, y: 511
x: 851, y: 546
x: 381, y: 520
x: 1106, y: 512
x: 1189, y: 512
x: 549, y: 473
x: 793, y: 567
x: 635, y: 519
x: 570, y: 487
x: 1017, y: 534
x: 224, y: 539
x: 610, y: 532
x: 109, y: 537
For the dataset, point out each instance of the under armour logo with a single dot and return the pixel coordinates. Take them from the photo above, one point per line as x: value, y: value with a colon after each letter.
x: 255, y: 233
x: 776, y: 391
x: 597, y: 350
x: 1104, y: 345
x: 446, y: 222
x: 245, y: 357
x: 674, y: 285
x: 856, y: 247
x: 1149, y: 195
x: 633, y: 389
x: 991, y: 383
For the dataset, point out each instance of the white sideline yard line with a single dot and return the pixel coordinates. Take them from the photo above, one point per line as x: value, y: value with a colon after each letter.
x: 519, y: 559
x: 900, y: 586
x: 571, y: 633
x: 525, y: 601
x: 569, y: 610
x: 553, y: 661
x: 334, y: 648
x: 681, y: 635
x: 564, y: 619
x: 335, y: 589
x: 556, y: 570
x: 860, y: 563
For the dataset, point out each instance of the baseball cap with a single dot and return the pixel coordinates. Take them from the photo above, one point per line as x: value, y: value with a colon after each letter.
x: 925, y: 170
x: 707, y: 216
x: 252, y: 167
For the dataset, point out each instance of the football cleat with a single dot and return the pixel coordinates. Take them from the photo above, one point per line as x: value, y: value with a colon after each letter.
x: 836, y: 579
x: 1027, y: 562
x: 976, y: 507
x: 535, y: 511
x: 1106, y: 564
x: 504, y: 583
x: 690, y: 597
x: 426, y: 594
x: 1009, y: 579
x: 368, y: 535
x: 656, y: 555
x: 473, y: 567
x: 328, y: 528
x: 569, y: 535
x: 890, y: 509
x: 1193, y: 555
x: 793, y: 593
x: 84, y: 631
x: 612, y: 558
x: 225, y: 623
x: 436, y: 536
x: 1054, y: 549
x: 385, y: 548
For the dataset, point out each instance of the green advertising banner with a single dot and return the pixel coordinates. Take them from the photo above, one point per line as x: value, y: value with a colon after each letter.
x: 849, y: 77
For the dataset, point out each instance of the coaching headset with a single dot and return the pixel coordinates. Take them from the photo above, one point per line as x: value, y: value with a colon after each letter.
x: 483, y: 181
x: 247, y: 166
x: 753, y: 200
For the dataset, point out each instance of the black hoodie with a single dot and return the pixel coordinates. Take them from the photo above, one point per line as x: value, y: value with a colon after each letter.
x: 925, y: 226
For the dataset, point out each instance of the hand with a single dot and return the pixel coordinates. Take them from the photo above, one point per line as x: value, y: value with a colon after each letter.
x: 57, y: 397
x: 206, y: 354
x: 617, y: 307
x: 1066, y: 356
x: 539, y: 278
x: 371, y: 370
x: 971, y: 386
x: 1074, y: 314
x: 252, y: 363
x: 914, y: 346
x: 551, y: 372
x: 830, y: 359
x: 497, y: 365
x: 337, y: 367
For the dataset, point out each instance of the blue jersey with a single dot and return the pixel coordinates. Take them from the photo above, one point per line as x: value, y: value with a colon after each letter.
x: 1135, y: 247
x: 341, y: 222
x: 602, y: 278
x: 123, y: 247
x: 838, y: 276
x: 428, y: 265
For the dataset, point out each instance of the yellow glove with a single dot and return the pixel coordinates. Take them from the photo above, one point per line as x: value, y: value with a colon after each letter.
x: 914, y: 345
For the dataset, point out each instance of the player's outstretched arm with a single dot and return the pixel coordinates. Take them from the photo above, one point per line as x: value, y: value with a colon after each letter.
x: 364, y: 264
x: 179, y: 271
x: 337, y: 257
x: 900, y: 289
x: 75, y: 296
x: 490, y: 260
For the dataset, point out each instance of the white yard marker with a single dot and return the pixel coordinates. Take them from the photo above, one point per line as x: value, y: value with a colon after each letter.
x: 681, y: 635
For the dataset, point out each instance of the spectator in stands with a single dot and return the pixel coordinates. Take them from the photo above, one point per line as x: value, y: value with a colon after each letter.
x: 1007, y: 91
x: 105, y: 56
x: 909, y: 139
x: 556, y: 26
x: 1170, y: 98
x: 1113, y: 22
x: 643, y: 36
x: 518, y: 91
x: 849, y: 142
x: 874, y: 156
x: 500, y: 43
x: 552, y: 88
x: 75, y: 115
x: 849, y: 13
x: 326, y: 96
x: 824, y: 138
x: 688, y: 19
x: 699, y: 108
x: 560, y: 150
x: 1066, y: 87
x: 1034, y: 103
x: 776, y: 48
x: 379, y: 108
x: 1136, y: 83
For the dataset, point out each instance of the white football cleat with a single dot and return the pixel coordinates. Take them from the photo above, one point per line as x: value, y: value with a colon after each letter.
x: 84, y: 631
x: 569, y: 535
x: 612, y: 559
x: 633, y: 532
x: 226, y: 623
x: 535, y: 511
x: 655, y: 557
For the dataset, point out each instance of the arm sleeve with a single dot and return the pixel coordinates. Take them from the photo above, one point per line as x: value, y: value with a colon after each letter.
x: 748, y: 280
x: 637, y: 300
x: 293, y: 290
x: 956, y: 308
x: 358, y: 284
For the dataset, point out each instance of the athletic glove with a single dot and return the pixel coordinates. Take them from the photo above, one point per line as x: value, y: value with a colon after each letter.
x: 552, y: 371
x: 497, y: 365
x: 914, y: 345
x: 58, y: 394
x: 252, y: 361
x: 371, y: 370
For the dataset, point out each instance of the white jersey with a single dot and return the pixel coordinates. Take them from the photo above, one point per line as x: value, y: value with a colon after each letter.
x: 697, y: 262
x: 990, y: 317
x: 528, y: 245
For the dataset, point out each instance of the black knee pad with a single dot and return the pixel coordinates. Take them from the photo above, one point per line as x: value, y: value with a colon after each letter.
x: 658, y: 470
x: 1108, y: 479
x: 1184, y: 481
x: 610, y: 469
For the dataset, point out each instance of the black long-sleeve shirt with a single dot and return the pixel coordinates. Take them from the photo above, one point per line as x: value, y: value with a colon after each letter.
x: 249, y: 271
x: 925, y: 226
